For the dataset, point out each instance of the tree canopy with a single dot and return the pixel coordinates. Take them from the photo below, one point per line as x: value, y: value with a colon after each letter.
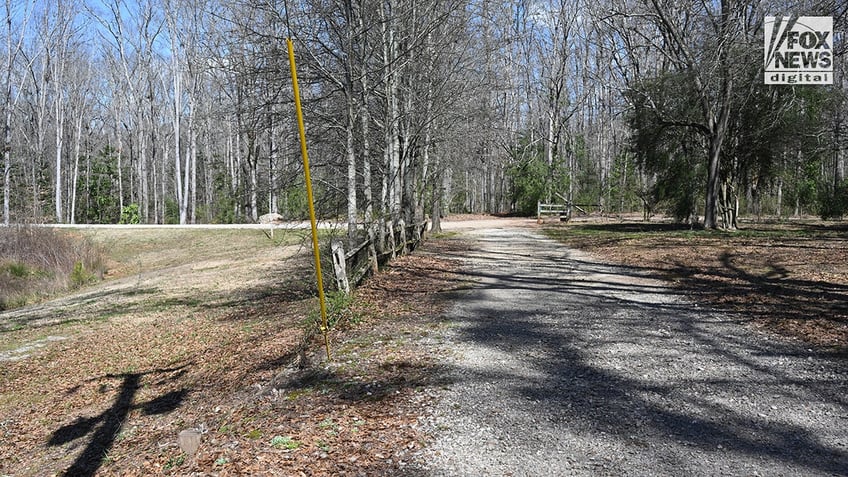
x: 182, y: 110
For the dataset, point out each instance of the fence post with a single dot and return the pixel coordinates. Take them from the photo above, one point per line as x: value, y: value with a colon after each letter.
x: 404, y: 245
x: 372, y: 250
x: 392, y: 239
x: 339, y: 266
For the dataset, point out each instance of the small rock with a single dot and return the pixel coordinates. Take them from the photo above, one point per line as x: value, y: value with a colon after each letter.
x: 189, y: 441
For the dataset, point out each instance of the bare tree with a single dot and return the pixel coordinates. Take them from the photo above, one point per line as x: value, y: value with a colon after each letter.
x: 80, y: 98
x: 13, y: 47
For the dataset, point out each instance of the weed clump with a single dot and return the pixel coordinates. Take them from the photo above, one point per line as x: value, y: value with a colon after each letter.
x: 36, y: 262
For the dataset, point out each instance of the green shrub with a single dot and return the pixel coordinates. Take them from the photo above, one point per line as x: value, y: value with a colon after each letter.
x: 130, y: 214
x: 80, y: 276
x: 36, y: 262
x: 339, y: 308
x: 172, y: 212
x: 17, y: 270
x: 834, y: 202
x: 285, y: 442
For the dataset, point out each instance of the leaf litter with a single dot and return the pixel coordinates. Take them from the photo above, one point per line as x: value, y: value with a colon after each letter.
x: 244, y: 370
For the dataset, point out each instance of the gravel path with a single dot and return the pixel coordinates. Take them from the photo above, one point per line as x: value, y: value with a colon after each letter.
x: 562, y: 365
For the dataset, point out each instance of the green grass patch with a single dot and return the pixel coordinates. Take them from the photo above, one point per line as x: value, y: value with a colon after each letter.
x: 174, y: 462
x: 285, y: 442
x: 298, y: 393
x: 16, y: 270
x: 225, y: 429
x: 444, y: 235
x: 80, y: 276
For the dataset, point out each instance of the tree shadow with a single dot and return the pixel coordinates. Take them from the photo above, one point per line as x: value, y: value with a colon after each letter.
x: 105, y: 427
x: 290, y: 282
x: 595, y: 400
x: 640, y: 227
x: 774, y: 295
x: 772, y: 287
x: 649, y: 397
x: 49, y: 314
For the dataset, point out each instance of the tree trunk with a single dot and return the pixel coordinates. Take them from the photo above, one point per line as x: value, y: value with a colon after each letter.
x: 75, y: 174
x: 350, y: 157
x: 192, y: 183
x: 273, y: 159
x: 797, y: 211
x: 839, y: 172
x: 447, y: 186
x: 238, y: 166
x: 190, y: 154
x: 716, y: 140
x: 710, y: 215
x: 365, y: 126
x: 119, y: 138
x: 438, y: 191
x: 392, y: 126
x: 7, y: 161
x: 7, y: 125
x: 253, y: 165
x: 143, y: 161
x: 178, y: 176
x: 549, y: 158
x: 60, y: 139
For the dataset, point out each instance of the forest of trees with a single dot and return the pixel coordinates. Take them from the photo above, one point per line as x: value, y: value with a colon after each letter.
x: 181, y: 111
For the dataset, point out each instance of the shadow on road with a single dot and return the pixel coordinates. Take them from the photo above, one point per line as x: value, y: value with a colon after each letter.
x: 619, y: 357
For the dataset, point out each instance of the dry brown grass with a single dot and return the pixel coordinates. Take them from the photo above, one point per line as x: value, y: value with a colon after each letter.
x: 37, y: 262
x: 216, y: 336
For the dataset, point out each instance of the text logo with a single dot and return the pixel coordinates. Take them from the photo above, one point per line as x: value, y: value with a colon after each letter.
x: 798, y: 50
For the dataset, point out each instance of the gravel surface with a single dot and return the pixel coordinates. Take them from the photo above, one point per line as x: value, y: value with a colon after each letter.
x: 563, y: 365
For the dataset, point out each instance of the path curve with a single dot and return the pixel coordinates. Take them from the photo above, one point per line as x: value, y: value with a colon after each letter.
x: 563, y: 365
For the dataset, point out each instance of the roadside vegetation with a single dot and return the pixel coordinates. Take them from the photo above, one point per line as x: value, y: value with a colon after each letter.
x: 790, y: 277
x: 37, y: 262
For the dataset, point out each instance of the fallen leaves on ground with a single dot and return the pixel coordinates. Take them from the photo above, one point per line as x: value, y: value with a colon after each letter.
x: 789, y: 278
x: 112, y: 398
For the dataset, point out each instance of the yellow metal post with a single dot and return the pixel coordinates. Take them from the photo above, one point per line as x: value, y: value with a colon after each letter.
x: 315, y: 249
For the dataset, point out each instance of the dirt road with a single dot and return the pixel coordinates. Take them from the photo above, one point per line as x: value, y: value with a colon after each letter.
x: 563, y: 365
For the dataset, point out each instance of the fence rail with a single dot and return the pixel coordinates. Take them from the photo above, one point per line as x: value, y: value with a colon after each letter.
x: 551, y: 209
x: 352, y: 266
x: 563, y: 210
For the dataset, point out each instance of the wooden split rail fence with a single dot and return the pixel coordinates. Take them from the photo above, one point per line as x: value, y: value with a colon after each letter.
x: 352, y: 266
x: 563, y: 210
